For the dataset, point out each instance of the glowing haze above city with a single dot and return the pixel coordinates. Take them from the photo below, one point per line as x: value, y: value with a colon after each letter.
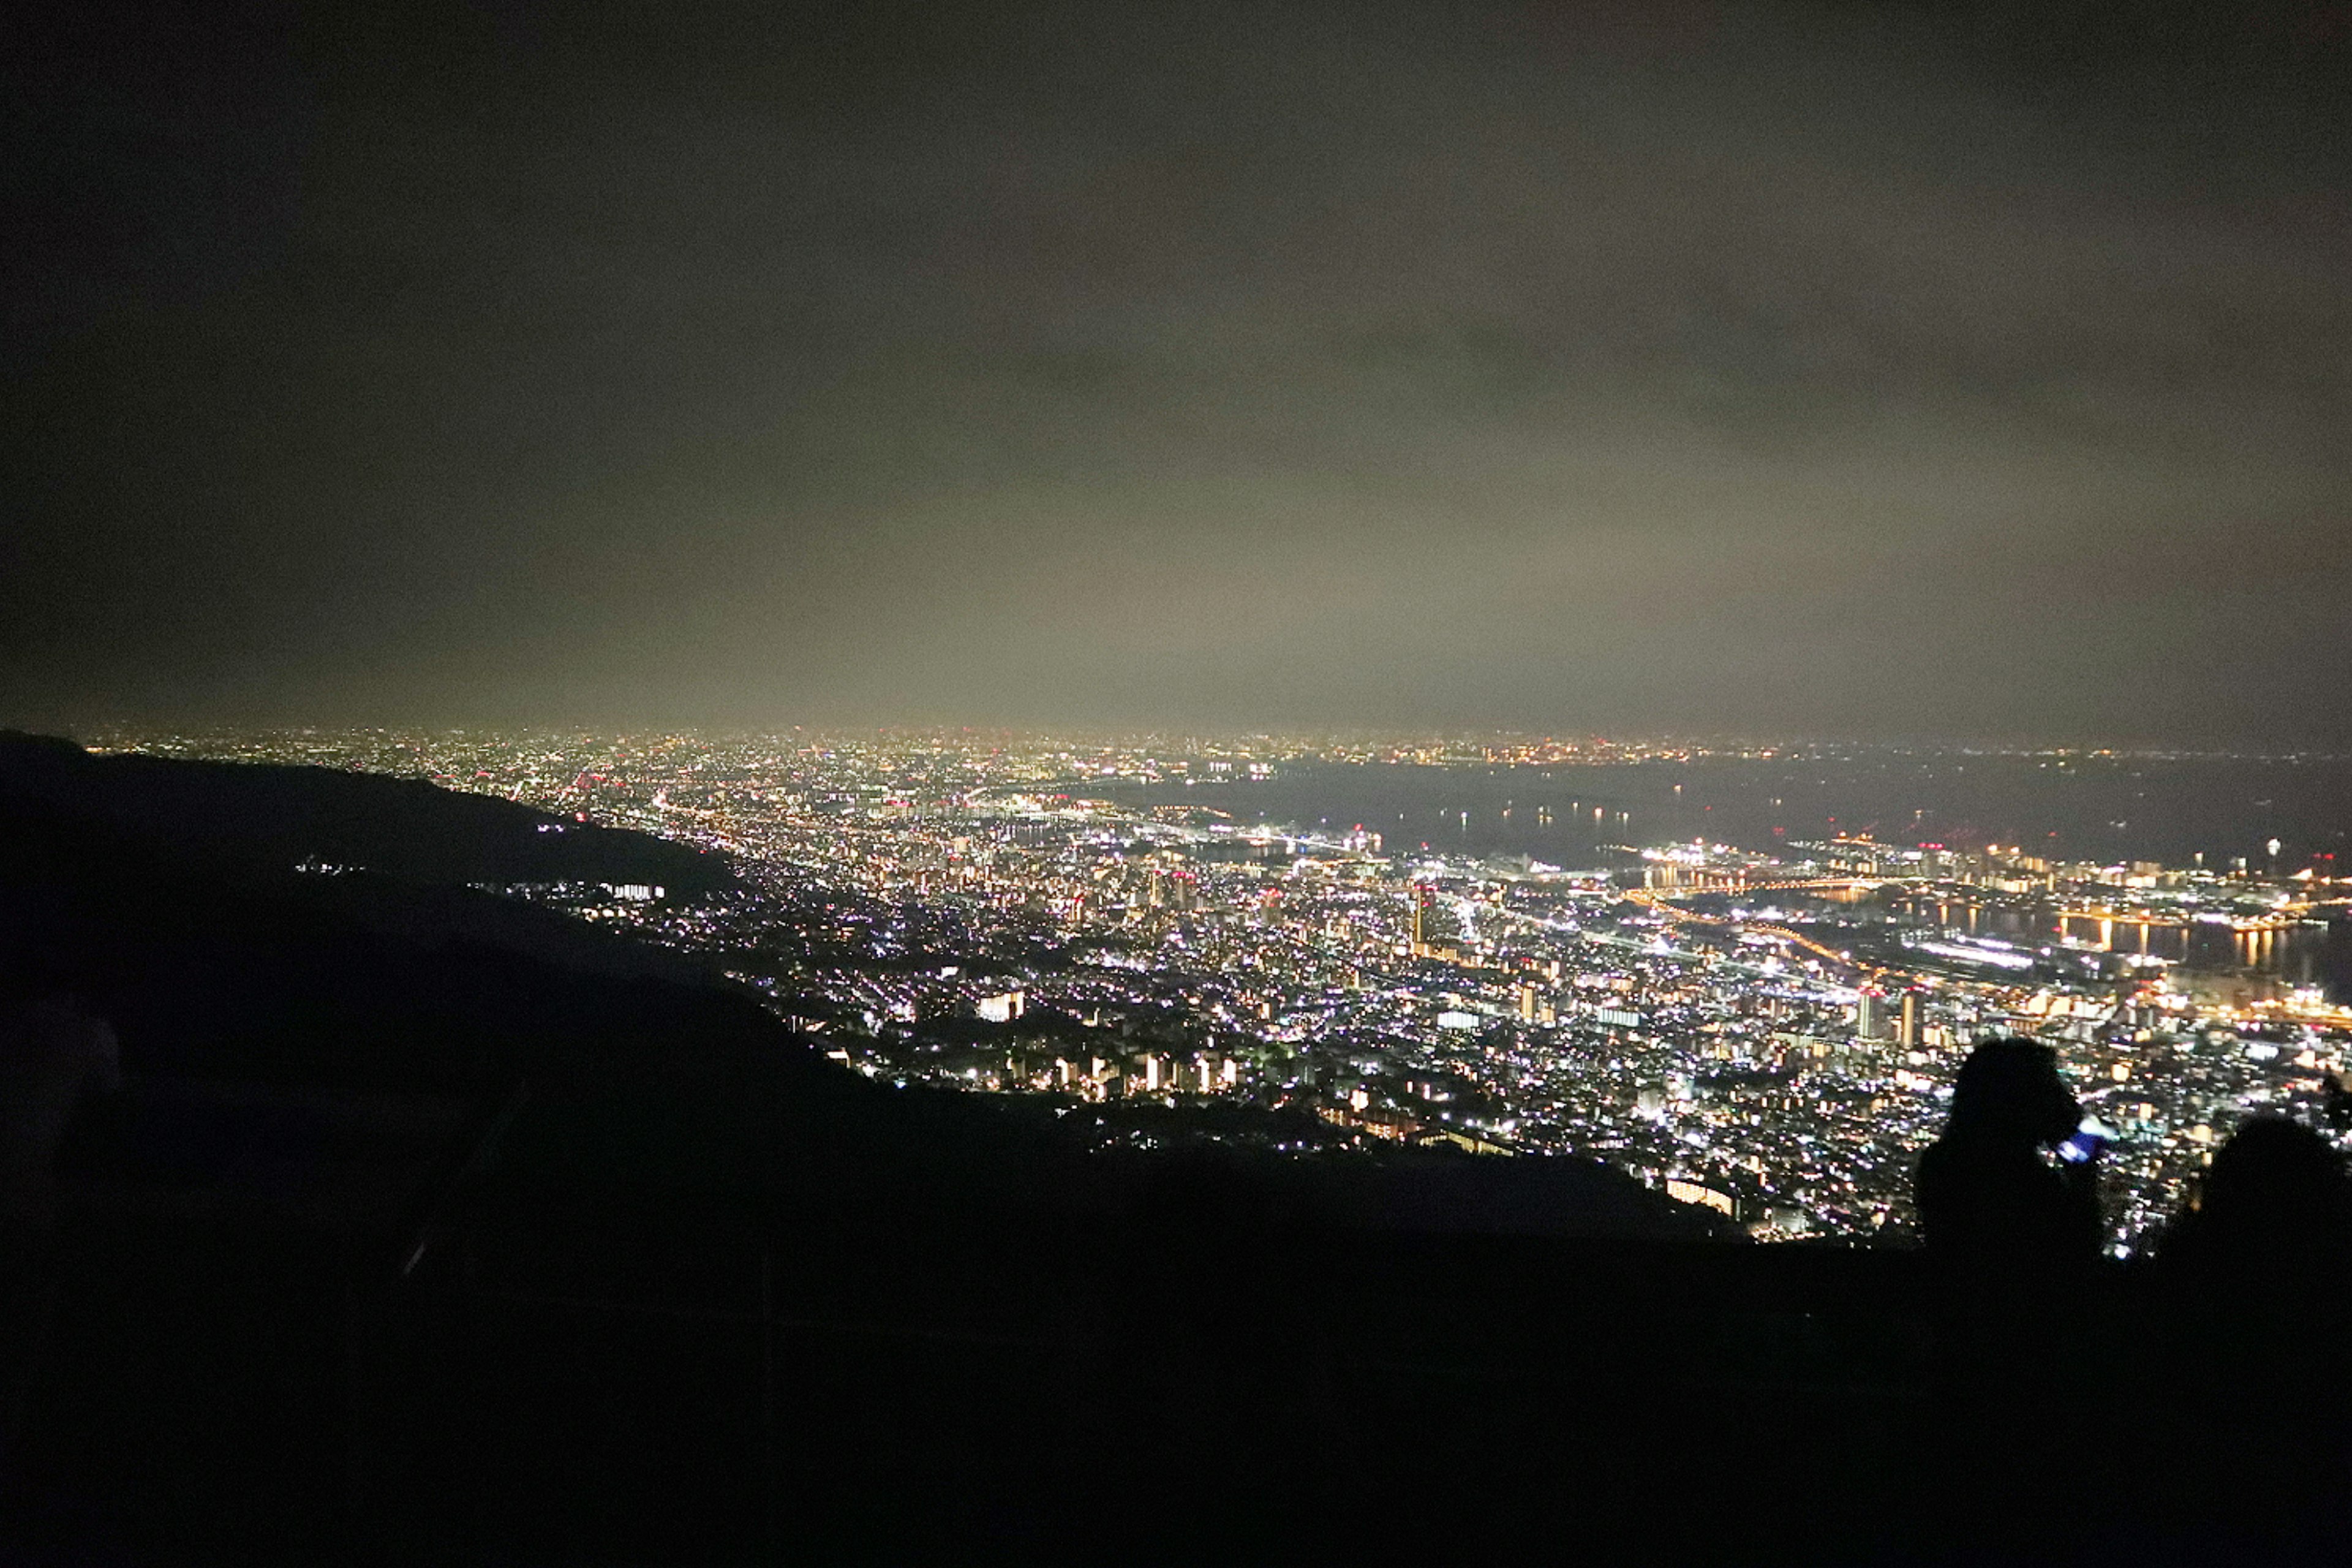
x: 1971, y: 373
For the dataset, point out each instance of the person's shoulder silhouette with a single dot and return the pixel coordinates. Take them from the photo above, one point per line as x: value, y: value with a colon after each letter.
x: 1989, y: 1198
x: 2272, y: 1216
x: 2256, y: 1281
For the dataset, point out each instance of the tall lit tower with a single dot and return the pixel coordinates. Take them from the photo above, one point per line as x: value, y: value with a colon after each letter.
x: 1870, y: 1017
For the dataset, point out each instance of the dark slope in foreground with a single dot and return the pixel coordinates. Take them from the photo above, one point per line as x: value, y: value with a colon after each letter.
x: 167, y: 890
x: 433, y: 1227
x: 254, y: 813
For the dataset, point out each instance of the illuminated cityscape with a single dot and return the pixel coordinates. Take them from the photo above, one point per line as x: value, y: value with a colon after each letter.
x: 1770, y: 1032
x: 908, y: 783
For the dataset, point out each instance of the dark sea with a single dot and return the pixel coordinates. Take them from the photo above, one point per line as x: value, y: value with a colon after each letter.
x: 2109, y: 809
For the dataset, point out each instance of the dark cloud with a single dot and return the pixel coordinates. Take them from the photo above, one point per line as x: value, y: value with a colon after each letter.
x: 1839, y: 368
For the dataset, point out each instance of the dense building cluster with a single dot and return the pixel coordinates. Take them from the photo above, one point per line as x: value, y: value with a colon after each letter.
x: 1772, y: 1034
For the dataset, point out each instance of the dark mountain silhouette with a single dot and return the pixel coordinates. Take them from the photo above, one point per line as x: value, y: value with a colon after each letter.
x: 258, y: 813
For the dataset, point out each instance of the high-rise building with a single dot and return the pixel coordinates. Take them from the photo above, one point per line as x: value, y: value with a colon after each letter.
x: 1870, y: 1017
x: 1907, y: 1021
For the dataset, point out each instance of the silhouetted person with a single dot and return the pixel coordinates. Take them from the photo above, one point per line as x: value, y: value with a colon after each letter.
x: 2011, y: 1232
x: 2276, y: 1201
x: 1993, y: 1204
x: 2263, y: 1252
x: 2255, y: 1275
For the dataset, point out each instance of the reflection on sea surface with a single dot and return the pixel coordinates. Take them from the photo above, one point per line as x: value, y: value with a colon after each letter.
x: 2171, y: 810
x: 2270, y: 945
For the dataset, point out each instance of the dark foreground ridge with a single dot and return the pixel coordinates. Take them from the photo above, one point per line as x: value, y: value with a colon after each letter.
x: 430, y: 1226
x: 254, y: 813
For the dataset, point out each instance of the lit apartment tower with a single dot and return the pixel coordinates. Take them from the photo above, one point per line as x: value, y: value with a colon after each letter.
x: 1906, y: 1021
x: 1870, y: 1017
x: 1421, y: 900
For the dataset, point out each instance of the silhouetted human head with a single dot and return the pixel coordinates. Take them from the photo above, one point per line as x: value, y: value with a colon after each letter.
x: 2277, y: 1182
x: 2009, y: 1091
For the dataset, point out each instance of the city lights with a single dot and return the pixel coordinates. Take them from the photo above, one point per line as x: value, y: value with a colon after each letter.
x: 1770, y: 1034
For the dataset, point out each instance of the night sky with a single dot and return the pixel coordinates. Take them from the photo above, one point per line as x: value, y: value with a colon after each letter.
x: 1847, y: 370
